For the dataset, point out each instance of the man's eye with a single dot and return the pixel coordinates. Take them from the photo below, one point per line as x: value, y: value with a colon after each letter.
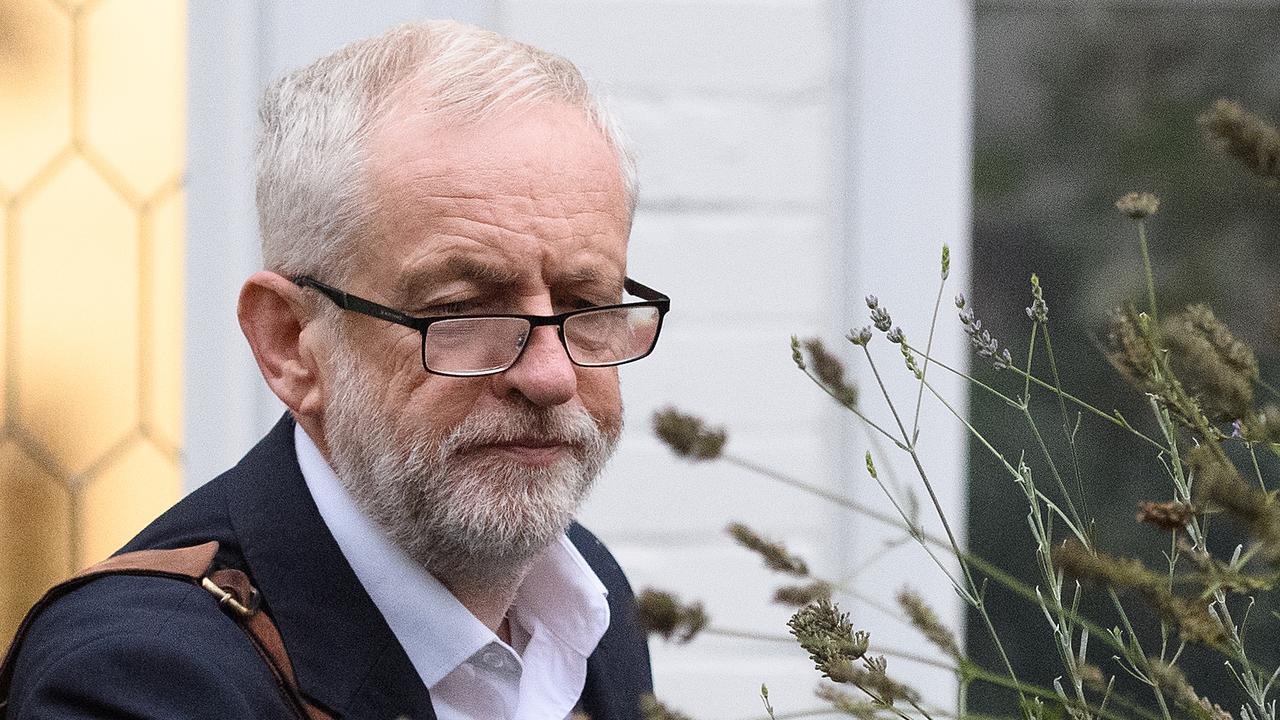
x: 461, y: 307
x: 584, y: 303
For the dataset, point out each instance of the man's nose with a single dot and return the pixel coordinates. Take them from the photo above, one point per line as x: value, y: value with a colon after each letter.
x: 544, y: 375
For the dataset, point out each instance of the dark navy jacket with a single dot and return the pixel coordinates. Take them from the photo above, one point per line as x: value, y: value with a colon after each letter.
x: 133, y: 647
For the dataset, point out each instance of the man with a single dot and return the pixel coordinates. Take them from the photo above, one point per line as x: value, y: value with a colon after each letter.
x: 444, y: 216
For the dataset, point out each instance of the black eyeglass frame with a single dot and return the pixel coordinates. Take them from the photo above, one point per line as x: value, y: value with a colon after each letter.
x: 354, y: 303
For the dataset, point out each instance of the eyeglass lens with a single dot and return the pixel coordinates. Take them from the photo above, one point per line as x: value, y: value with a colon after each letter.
x: 477, y: 346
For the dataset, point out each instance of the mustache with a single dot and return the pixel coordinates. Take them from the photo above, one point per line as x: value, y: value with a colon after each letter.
x: 558, y: 425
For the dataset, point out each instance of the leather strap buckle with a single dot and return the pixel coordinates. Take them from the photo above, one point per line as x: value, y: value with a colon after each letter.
x: 228, y: 600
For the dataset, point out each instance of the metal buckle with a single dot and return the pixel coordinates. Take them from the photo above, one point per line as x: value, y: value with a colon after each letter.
x: 229, y: 601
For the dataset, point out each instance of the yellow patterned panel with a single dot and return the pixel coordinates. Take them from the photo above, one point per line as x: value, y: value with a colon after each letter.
x: 136, y: 488
x: 91, y: 221
x: 162, y: 332
x: 125, y: 71
x: 4, y: 315
x: 35, y: 87
x: 35, y: 537
x: 76, y: 328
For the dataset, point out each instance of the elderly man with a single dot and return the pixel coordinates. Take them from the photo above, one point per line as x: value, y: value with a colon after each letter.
x: 444, y: 217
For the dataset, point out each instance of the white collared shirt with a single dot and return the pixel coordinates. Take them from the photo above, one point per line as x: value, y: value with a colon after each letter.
x: 558, y: 616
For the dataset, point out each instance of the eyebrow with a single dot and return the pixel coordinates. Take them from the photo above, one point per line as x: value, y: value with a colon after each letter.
x: 590, y: 277
x: 455, y: 267
x: 491, y: 274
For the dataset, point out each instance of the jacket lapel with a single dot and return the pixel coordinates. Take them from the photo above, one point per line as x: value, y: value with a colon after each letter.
x: 345, y: 655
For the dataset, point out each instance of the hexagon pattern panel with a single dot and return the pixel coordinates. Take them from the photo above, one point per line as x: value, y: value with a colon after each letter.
x: 92, y: 122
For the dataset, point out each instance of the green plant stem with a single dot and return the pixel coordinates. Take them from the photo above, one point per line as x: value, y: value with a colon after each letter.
x: 812, y: 712
x: 924, y: 369
x: 1146, y: 268
x: 787, y: 639
x: 991, y: 678
x: 987, y: 568
x: 1067, y: 432
x: 1165, y: 377
x: 1077, y: 526
x: 857, y: 413
x: 1116, y: 419
x: 893, y: 409
x: 1141, y: 660
x: 1257, y: 469
x: 974, y: 595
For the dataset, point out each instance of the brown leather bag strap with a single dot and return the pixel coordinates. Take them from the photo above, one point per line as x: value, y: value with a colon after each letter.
x: 194, y: 564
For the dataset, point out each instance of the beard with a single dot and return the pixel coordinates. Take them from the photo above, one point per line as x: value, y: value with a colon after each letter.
x: 462, y: 511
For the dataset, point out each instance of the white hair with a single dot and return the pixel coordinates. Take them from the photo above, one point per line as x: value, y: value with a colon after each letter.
x: 313, y: 204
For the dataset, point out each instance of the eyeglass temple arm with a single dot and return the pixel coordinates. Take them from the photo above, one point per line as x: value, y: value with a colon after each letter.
x: 347, y: 301
x: 643, y: 292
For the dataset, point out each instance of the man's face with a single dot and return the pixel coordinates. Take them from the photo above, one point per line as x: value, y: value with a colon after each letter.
x: 523, y: 214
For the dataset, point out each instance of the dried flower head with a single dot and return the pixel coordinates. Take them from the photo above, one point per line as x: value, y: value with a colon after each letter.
x: 1217, y: 482
x: 661, y: 613
x: 861, y: 337
x: 688, y: 436
x: 1138, y: 205
x: 1192, y: 617
x: 1208, y: 375
x: 843, y: 702
x: 829, y: 371
x: 983, y: 343
x: 1252, y: 140
x: 774, y: 554
x: 875, y: 681
x: 1173, y: 682
x: 797, y: 357
x: 652, y: 709
x: 829, y: 638
x: 1172, y: 515
x: 1215, y: 368
x: 801, y: 595
x: 926, y: 621
x: 1098, y: 567
x: 1092, y: 676
x: 1039, y: 310
x: 907, y: 356
x: 1260, y: 426
x: 881, y: 319
x: 960, y: 301
x: 946, y: 261
x: 1128, y: 352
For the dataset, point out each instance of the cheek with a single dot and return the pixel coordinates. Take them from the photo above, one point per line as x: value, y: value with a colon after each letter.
x: 436, y: 405
x: 601, y: 396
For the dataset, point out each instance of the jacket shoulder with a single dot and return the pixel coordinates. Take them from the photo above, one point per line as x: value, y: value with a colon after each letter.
x: 140, y: 647
x: 621, y: 660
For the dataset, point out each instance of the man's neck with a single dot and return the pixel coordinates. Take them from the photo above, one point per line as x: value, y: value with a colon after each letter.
x: 489, y: 598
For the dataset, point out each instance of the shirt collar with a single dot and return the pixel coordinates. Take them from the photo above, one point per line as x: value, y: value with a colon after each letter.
x: 561, y: 592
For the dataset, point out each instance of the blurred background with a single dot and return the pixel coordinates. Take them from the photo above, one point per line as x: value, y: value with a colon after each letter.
x: 795, y: 155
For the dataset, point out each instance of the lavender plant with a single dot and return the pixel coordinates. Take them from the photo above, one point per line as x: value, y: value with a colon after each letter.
x: 1213, y: 420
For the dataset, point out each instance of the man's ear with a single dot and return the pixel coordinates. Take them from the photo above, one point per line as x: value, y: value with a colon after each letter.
x: 273, y: 316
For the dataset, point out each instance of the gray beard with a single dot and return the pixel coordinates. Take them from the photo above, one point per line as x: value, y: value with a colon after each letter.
x: 464, y: 516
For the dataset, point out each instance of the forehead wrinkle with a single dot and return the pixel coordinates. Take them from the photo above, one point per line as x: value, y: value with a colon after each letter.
x: 487, y: 271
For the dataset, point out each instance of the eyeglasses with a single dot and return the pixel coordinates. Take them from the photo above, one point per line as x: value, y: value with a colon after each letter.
x: 475, y: 345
